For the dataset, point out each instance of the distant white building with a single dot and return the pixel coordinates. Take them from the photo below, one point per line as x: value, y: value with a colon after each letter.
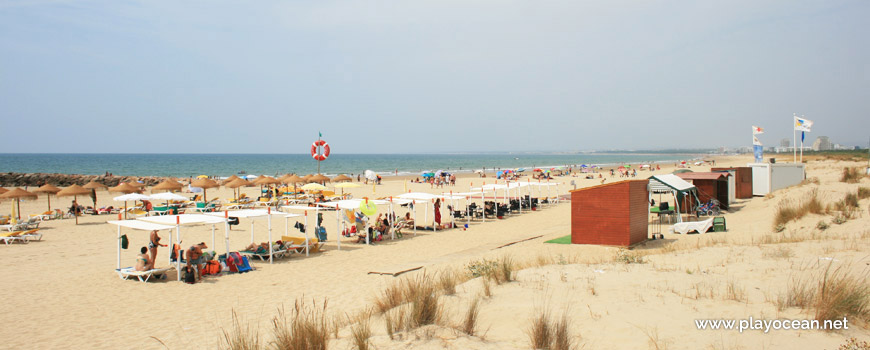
x: 822, y: 143
x: 784, y: 143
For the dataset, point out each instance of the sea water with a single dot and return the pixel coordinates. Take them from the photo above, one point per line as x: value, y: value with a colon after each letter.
x: 186, y: 165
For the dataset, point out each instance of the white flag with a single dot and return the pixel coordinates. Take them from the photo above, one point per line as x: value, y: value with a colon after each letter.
x: 757, y: 130
x: 802, y: 124
x: 756, y: 141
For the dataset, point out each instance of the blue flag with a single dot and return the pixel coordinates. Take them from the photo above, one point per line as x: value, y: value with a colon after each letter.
x: 803, y: 135
x: 319, y: 134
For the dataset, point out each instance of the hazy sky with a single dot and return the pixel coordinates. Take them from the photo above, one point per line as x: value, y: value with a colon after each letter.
x: 427, y: 76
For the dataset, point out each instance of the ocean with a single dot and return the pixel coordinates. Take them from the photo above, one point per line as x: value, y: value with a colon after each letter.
x: 185, y: 165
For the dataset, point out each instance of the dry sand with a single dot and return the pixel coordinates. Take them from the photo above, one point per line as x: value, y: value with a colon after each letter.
x: 62, y: 292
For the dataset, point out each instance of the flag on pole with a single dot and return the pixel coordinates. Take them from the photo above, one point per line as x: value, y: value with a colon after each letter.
x: 757, y: 130
x: 803, y: 136
x: 319, y: 134
x: 756, y: 141
x: 802, y: 124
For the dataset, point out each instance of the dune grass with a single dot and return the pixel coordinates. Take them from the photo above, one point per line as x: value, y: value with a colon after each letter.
x: 547, y: 333
x: 789, y: 210
x: 469, y: 322
x: 305, y: 328
x: 851, y: 175
x: 241, y: 337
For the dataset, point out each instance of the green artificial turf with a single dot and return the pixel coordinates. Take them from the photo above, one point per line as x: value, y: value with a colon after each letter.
x: 561, y: 240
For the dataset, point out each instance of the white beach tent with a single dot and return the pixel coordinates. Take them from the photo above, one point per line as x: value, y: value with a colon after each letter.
x: 316, y: 210
x: 422, y: 196
x: 251, y: 214
x: 670, y: 183
x: 349, y: 204
x: 136, y: 225
x: 189, y: 220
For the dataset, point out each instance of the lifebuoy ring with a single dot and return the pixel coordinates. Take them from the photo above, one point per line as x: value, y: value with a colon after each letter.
x: 320, y: 157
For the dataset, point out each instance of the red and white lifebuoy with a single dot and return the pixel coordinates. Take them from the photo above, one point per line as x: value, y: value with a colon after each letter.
x: 314, y: 152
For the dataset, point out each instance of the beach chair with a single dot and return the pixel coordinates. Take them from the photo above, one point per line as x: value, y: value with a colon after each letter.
x: 31, y: 234
x: 298, y: 243
x: 280, y: 252
x: 11, y: 237
x: 142, y: 276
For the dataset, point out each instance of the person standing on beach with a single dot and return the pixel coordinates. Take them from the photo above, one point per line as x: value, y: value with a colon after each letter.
x: 438, y: 212
x: 153, y: 243
x: 194, y: 258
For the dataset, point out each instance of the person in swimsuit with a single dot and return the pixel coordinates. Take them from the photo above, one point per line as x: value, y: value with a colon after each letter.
x: 153, y: 244
x: 142, y: 262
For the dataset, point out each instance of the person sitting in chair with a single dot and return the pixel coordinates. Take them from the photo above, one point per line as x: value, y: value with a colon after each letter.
x: 143, y: 262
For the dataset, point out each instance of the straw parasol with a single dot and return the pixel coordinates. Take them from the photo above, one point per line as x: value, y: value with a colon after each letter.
x: 124, y: 188
x: 307, y: 178
x: 137, y: 184
x: 204, y: 184
x: 17, y: 193
x: 341, y: 178
x: 266, y: 180
x: 319, y: 178
x: 93, y: 186
x: 3, y: 190
x: 74, y: 190
x: 229, y: 179
x: 48, y: 189
x: 238, y: 183
x: 168, y: 185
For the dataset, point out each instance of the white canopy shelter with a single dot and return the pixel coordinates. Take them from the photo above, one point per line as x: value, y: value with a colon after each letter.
x: 136, y: 225
x: 316, y: 210
x: 252, y: 214
x: 189, y: 220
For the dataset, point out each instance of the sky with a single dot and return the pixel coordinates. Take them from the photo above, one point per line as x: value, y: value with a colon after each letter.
x: 427, y: 76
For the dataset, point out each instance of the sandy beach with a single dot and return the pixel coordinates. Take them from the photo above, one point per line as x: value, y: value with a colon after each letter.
x: 62, y: 292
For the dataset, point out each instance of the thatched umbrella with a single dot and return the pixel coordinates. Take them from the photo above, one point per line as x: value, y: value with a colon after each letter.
x: 48, y: 189
x: 168, y: 185
x: 292, y: 179
x: 229, y: 179
x: 17, y: 193
x: 137, y: 184
x: 319, y: 178
x: 307, y: 178
x: 75, y: 191
x: 238, y: 183
x: 3, y: 190
x: 93, y: 186
x: 341, y: 178
x: 204, y: 184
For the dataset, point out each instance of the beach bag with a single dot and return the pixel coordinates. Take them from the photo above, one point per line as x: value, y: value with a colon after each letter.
x: 189, y: 275
x: 124, y: 242
x: 320, y: 232
x: 231, y: 264
x: 212, y: 267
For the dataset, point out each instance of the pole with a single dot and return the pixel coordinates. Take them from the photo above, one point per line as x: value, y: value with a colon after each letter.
x: 269, y: 220
x: 338, y: 226
x: 227, y: 231
x: 119, y: 247
x: 306, y: 233
x: 794, y: 139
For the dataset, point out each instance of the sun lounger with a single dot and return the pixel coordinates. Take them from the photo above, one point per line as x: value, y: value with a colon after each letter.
x: 12, y: 237
x: 32, y: 234
x: 299, y: 243
x: 285, y: 250
x: 143, y: 276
